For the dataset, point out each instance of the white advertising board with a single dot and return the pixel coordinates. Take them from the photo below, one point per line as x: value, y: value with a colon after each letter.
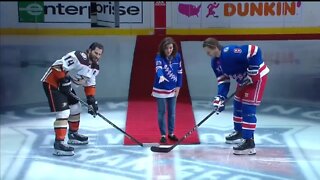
x: 64, y: 14
x: 136, y: 13
x: 197, y: 14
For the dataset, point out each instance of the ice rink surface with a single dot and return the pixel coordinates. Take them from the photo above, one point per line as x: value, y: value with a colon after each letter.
x: 287, y: 135
x: 287, y: 144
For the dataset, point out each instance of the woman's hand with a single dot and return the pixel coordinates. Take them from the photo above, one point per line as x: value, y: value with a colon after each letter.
x: 177, y: 91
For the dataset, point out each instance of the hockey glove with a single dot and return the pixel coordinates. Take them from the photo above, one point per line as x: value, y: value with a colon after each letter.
x: 218, y: 103
x: 252, y: 75
x: 246, y: 81
x: 65, y: 86
x: 93, y: 105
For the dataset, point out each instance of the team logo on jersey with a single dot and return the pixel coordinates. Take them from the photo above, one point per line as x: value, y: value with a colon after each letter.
x: 226, y: 49
x: 84, y: 56
x: 237, y: 50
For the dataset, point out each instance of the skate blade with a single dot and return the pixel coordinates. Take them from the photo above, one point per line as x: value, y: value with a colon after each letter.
x: 63, y: 153
x: 251, y: 151
x: 233, y: 142
x: 77, y: 142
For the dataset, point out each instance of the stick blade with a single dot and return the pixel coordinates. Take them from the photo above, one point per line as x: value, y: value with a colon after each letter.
x: 150, y: 144
x: 160, y: 149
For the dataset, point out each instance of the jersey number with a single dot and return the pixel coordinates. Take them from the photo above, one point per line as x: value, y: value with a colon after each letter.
x: 69, y: 60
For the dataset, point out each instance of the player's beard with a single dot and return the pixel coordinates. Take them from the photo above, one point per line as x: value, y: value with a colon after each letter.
x: 93, y: 58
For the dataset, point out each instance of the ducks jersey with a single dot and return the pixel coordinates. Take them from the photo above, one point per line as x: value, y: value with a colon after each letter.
x: 76, y: 64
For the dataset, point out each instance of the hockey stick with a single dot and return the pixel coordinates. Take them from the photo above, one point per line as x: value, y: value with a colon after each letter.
x: 108, y: 121
x: 168, y: 149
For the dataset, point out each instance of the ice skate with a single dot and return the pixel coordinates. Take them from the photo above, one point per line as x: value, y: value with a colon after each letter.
x: 77, y: 139
x: 247, y: 147
x: 61, y: 149
x: 234, y: 138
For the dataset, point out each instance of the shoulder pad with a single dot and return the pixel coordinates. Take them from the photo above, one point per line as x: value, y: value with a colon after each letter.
x: 82, y: 57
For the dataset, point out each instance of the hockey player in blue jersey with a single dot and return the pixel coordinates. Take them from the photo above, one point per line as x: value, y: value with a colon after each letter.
x: 167, y: 83
x: 245, y: 65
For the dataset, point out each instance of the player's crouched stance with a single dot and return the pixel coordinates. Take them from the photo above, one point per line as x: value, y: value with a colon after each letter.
x: 57, y: 86
x: 245, y: 65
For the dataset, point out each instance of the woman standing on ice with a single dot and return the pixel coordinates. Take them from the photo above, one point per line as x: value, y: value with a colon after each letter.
x: 168, y: 80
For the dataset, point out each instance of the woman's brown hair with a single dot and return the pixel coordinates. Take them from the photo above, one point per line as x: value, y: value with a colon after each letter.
x: 211, y: 43
x: 166, y: 41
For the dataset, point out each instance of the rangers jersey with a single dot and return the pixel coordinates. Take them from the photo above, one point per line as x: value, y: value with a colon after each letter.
x: 172, y: 71
x: 76, y: 64
x: 238, y: 62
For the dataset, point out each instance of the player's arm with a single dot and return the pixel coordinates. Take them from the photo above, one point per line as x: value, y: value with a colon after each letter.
x: 90, y: 92
x: 90, y: 89
x: 222, y: 80
x: 256, y: 65
x: 223, y: 87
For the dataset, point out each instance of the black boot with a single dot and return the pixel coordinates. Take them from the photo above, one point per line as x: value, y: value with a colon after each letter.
x: 61, y: 149
x: 163, y: 139
x: 77, y: 139
x: 234, y: 137
x: 247, y: 147
x: 173, y: 137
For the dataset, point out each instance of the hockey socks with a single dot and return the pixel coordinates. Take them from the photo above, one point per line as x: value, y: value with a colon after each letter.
x: 60, y: 128
x: 74, y: 122
x: 74, y: 137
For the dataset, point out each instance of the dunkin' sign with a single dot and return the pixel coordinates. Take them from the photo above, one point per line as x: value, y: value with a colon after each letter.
x: 238, y: 14
x: 261, y: 9
x: 239, y: 9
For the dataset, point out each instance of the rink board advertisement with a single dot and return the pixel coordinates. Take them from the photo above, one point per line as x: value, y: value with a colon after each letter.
x: 129, y: 12
x: 217, y: 14
x: 183, y: 14
x: 53, y: 12
x: 63, y: 14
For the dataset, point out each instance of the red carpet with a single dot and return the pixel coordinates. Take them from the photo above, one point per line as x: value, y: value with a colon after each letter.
x: 142, y: 120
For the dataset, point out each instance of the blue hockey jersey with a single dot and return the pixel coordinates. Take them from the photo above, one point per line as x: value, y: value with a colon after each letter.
x: 172, y: 71
x: 238, y: 62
